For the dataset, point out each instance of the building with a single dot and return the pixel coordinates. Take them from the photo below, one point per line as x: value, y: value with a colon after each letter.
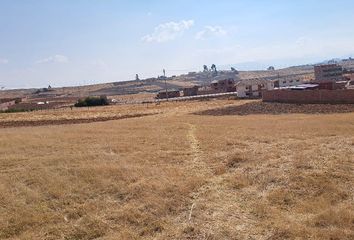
x: 253, y: 88
x: 307, y: 86
x: 190, y: 91
x: 350, y: 84
x: 328, y: 73
x: 285, y: 83
x: 224, y: 85
x: 349, y: 77
x: 168, y: 94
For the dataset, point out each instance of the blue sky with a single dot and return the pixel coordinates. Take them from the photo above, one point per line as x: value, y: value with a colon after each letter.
x: 66, y: 42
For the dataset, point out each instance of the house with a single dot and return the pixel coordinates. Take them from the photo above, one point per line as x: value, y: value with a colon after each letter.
x: 168, y: 94
x: 190, y: 91
x: 285, y: 83
x: 224, y: 85
x: 350, y: 84
x: 307, y: 86
x: 253, y: 88
x: 328, y: 73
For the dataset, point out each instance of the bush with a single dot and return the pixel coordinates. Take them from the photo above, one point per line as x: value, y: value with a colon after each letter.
x: 92, y: 101
x: 16, y: 110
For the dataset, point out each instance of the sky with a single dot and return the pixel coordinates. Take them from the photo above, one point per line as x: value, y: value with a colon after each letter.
x: 70, y: 43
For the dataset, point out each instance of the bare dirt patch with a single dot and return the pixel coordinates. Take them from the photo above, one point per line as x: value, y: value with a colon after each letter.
x: 258, y: 107
x: 34, y: 123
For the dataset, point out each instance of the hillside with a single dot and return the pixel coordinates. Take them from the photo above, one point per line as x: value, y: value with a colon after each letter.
x: 153, y: 85
x: 147, y: 88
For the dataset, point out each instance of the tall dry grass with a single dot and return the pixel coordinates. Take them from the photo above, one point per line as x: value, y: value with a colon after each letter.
x: 177, y: 175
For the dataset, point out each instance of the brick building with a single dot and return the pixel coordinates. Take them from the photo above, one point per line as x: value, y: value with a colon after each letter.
x: 283, y: 83
x: 253, y: 88
x: 328, y: 73
x: 190, y: 91
x: 169, y: 94
x: 224, y: 85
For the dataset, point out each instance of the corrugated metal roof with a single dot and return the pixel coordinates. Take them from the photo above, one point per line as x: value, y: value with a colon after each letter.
x: 304, y: 86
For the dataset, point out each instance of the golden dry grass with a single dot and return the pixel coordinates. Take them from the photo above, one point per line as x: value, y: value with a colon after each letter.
x: 178, y: 175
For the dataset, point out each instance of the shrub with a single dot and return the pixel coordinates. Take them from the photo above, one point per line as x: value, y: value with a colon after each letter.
x: 92, y: 101
x: 16, y: 110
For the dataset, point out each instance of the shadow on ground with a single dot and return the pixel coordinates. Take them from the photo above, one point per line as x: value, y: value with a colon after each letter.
x: 259, y: 107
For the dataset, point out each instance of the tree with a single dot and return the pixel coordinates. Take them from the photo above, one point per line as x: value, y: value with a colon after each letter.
x: 271, y: 68
x: 205, y: 68
x: 137, y: 77
x: 92, y: 101
x: 213, y: 68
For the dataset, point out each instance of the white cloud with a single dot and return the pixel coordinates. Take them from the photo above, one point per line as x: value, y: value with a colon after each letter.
x: 168, y: 31
x: 54, y: 59
x: 4, y: 61
x: 210, y: 31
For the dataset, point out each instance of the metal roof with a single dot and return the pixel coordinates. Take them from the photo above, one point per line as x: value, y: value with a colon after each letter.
x: 304, y: 86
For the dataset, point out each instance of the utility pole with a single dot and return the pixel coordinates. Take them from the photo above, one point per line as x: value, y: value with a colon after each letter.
x: 164, y: 75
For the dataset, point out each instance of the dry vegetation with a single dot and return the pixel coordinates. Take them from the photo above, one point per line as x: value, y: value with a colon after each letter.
x: 178, y: 175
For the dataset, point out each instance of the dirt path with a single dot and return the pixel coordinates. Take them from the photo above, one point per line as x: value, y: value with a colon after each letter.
x: 213, y: 204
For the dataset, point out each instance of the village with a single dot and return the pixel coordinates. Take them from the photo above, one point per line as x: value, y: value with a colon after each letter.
x: 331, y: 84
x: 176, y: 120
x: 328, y: 83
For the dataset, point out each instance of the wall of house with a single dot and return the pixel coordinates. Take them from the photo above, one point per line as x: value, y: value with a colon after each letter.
x: 241, y: 91
x: 289, y: 83
x: 310, y: 96
x: 328, y: 73
x: 256, y: 89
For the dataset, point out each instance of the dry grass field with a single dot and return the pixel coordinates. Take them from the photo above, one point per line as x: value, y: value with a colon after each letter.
x: 220, y: 169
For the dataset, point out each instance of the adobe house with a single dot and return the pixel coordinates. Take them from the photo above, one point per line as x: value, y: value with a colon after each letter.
x: 253, y: 88
x: 225, y: 85
x: 284, y: 83
x: 168, y: 94
x: 350, y: 84
x: 190, y: 91
x: 327, y: 75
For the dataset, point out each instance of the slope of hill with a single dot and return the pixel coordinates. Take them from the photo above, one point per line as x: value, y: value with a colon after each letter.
x: 153, y: 85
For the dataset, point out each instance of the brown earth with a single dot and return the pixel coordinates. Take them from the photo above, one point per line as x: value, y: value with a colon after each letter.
x: 178, y: 175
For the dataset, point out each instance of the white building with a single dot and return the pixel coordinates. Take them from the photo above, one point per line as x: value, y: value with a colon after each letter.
x: 253, y: 88
x: 284, y: 83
